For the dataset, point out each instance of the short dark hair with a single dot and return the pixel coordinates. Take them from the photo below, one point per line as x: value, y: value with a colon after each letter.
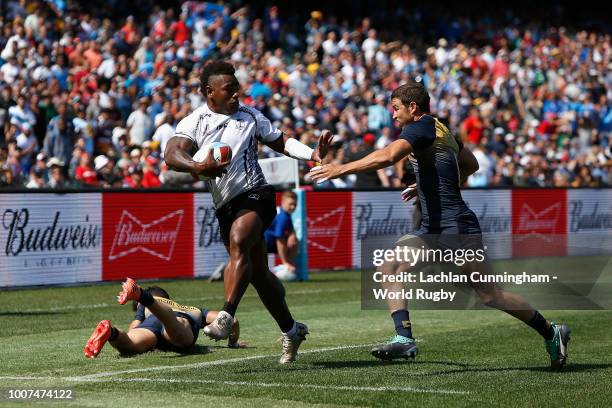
x: 289, y: 194
x: 216, y: 67
x: 413, y: 92
x: 159, y: 292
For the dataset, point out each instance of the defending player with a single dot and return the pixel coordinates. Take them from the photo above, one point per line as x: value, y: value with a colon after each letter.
x: 439, y: 161
x: 245, y: 203
x: 160, y: 323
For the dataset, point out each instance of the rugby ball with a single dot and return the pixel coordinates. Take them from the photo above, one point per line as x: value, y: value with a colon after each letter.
x: 283, y: 273
x: 221, y: 152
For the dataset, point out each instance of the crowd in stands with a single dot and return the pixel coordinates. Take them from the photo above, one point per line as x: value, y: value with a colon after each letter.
x: 88, y: 100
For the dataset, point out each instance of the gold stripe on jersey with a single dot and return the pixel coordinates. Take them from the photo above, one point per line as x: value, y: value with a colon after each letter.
x: 444, y: 137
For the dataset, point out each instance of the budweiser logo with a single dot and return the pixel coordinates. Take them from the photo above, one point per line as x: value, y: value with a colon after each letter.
x: 323, y: 231
x: 209, y: 227
x: 368, y: 226
x: 156, y: 238
x: 593, y: 220
x: 543, y: 222
x: 56, y: 236
x: 490, y: 222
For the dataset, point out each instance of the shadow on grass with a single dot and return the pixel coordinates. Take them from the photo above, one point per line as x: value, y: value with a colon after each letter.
x: 195, y: 350
x: 461, y: 367
x: 570, y: 368
x: 377, y: 363
x: 350, y: 364
x: 26, y: 313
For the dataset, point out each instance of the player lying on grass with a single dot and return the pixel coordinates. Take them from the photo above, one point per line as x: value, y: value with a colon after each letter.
x: 160, y: 323
x: 440, y: 163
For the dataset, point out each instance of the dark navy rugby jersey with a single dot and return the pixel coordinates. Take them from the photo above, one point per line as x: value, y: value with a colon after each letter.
x: 436, y: 168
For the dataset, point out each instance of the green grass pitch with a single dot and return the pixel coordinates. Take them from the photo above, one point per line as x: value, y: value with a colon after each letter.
x: 467, y: 358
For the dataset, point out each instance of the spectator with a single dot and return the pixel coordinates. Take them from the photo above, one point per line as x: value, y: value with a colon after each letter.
x: 134, y: 178
x: 28, y: 144
x: 280, y: 235
x: 357, y: 151
x: 60, y: 139
x: 56, y: 174
x: 84, y: 173
x: 472, y: 127
x: 378, y: 115
x: 149, y: 178
x: 37, y: 178
x: 107, y: 175
x: 164, y: 132
x: 139, y: 124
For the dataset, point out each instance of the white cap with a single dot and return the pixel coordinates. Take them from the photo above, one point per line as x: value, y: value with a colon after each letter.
x: 54, y: 161
x: 118, y: 132
x: 100, y: 161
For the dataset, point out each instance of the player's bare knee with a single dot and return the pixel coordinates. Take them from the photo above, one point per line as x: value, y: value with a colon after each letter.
x: 491, y: 298
x: 239, y: 243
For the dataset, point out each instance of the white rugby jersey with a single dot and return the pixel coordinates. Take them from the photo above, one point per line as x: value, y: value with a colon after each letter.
x: 242, y: 131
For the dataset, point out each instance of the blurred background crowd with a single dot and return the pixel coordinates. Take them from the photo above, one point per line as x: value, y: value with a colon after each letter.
x: 90, y: 92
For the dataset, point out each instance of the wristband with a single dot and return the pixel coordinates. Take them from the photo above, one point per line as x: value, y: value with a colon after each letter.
x: 298, y: 150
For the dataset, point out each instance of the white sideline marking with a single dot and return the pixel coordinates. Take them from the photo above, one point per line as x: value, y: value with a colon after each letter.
x: 206, y: 363
x: 281, y: 385
x: 103, y: 305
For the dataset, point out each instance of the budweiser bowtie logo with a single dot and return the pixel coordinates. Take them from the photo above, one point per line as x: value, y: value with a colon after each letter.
x: 323, y: 231
x: 543, y: 222
x: 156, y: 238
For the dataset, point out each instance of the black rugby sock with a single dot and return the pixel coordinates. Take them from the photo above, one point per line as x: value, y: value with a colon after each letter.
x: 114, y: 334
x: 401, y: 319
x: 146, y: 298
x: 538, y: 323
x: 230, y: 308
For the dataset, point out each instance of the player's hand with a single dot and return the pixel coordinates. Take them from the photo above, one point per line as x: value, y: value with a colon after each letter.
x: 237, y: 344
x: 409, y: 193
x: 325, y: 172
x: 210, y: 167
x: 289, y: 266
x: 323, y: 145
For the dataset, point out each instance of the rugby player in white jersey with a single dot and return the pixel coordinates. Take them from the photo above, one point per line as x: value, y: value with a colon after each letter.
x: 245, y: 204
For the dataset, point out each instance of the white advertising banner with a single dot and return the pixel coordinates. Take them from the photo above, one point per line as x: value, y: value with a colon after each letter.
x: 209, y: 251
x: 589, y: 222
x: 494, y: 211
x: 50, y: 238
x: 378, y: 215
x: 280, y: 170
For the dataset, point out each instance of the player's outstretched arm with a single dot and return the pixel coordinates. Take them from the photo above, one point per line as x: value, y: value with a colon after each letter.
x: 379, y: 159
x: 298, y: 150
x: 233, y: 341
x: 468, y: 164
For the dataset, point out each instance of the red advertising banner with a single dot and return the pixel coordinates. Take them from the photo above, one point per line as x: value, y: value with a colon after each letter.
x: 329, y: 229
x: 539, y: 222
x: 147, y: 235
